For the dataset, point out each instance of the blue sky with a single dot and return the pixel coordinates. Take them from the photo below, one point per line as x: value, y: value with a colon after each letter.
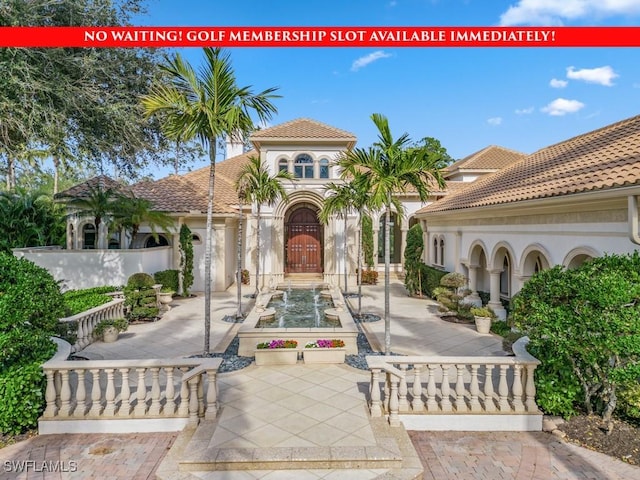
x: 468, y: 98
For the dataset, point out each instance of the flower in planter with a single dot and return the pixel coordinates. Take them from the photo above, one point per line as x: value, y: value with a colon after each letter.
x: 277, y: 343
x: 325, y: 343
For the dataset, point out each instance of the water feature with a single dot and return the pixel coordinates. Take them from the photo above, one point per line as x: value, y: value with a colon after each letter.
x: 299, y: 308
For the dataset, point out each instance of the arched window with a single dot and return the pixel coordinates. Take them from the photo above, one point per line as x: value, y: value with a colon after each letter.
x: 324, y: 168
x: 195, y: 239
x: 89, y: 236
x: 283, y: 165
x: 441, y: 250
x: 151, y: 242
x: 303, y: 166
x: 537, y: 267
x: 435, y: 251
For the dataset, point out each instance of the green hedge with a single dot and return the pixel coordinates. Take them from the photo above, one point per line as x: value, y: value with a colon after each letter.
x: 168, y: 279
x: 30, y: 306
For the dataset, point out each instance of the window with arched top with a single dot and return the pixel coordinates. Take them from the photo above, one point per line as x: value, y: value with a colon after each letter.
x: 505, y: 277
x: 324, y: 168
x: 441, y: 250
x: 303, y: 166
x: 283, y: 165
x: 435, y: 251
x: 537, y: 267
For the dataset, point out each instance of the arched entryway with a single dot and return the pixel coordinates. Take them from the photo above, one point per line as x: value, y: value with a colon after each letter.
x: 303, y: 245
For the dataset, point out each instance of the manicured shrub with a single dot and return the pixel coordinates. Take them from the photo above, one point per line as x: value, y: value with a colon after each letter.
x: 30, y: 306
x: 168, y: 279
x: 413, y: 260
x: 584, y: 326
x: 430, y: 277
x: 140, y: 280
x: 140, y: 298
x: 81, y: 303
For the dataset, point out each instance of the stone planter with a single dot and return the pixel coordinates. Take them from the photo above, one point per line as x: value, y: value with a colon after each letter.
x: 276, y: 356
x: 483, y: 324
x: 323, y: 355
x: 165, y: 297
x: 110, y: 335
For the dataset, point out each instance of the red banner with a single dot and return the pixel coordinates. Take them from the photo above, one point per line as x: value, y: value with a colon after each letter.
x: 320, y: 36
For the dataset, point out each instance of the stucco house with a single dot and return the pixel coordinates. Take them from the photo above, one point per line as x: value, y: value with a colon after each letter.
x: 561, y: 205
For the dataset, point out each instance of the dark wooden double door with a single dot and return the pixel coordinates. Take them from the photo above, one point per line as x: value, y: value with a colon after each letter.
x: 303, y: 246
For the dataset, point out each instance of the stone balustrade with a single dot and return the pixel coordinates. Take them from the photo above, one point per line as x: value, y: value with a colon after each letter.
x: 88, y: 320
x: 403, y: 386
x: 178, y: 391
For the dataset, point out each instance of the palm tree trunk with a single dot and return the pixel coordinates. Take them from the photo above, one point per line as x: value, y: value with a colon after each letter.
x: 258, y: 251
x: 387, y: 263
x: 360, y: 264
x: 345, y: 251
x: 239, y: 261
x: 56, y: 173
x: 209, y: 247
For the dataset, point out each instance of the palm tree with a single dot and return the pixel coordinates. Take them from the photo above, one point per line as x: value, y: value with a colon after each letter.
x: 97, y: 203
x: 207, y: 104
x: 261, y: 188
x: 387, y: 168
x: 241, y: 200
x: 130, y: 212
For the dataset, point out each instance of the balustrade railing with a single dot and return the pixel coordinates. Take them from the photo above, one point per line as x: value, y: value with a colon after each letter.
x: 135, y: 389
x: 453, y: 385
x: 88, y: 320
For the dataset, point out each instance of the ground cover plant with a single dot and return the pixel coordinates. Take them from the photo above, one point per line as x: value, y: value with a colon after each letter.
x: 78, y: 301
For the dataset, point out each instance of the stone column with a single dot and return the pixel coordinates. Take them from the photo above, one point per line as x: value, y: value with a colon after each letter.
x: 473, y: 298
x: 494, y: 301
x: 70, y: 234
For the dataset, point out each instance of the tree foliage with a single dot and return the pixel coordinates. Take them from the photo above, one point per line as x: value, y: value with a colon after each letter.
x: 186, y: 259
x: 130, y: 212
x: 76, y: 104
x: 413, y: 259
x: 584, y: 325
x: 30, y: 219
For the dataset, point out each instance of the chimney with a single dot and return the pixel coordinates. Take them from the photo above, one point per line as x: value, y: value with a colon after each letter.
x: 234, y: 145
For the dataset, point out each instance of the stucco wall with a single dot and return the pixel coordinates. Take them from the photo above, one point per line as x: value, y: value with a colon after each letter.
x: 91, y: 268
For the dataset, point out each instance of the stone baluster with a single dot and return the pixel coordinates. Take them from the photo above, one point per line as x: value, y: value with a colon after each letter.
x: 376, y: 405
x: 432, y: 403
x: 489, y: 404
x: 474, y: 390
x: 461, y: 405
x: 65, y: 394
x: 417, y: 404
x: 212, y: 394
x: 201, y: 405
x: 386, y: 390
x: 154, y: 409
x: 96, y: 393
x: 445, y: 389
x: 503, y: 390
x: 530, y: 389
x: 50, y: 395
x: 183, y: 408
x: 125, y: 394
x: 81, y: 341
x: 403, y: 404
x: 57, y: 381
x: 193, y: 400
x: 141, y: 394
x: 170, y: 393
x: 110, y: 394
x: 394, y: 419
x: 81, y: 395
x: 518, y: 406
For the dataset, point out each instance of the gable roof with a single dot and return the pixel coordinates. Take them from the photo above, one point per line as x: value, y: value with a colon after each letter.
x: 490, y: 158
x: 303, y: 130
x: 188, y: 192
x: 83, y: 189
x: 606, y: 158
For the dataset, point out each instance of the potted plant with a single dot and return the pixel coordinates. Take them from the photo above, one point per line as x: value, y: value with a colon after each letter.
x: 277, y: 352
x: 483, y: 317
x: 324, y: 351
x: 109, y: 330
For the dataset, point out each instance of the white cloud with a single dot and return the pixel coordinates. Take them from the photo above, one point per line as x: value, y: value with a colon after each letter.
x: 524, y: 111
x: 367, y: 59
x: 495, y: 121
x: 555, y: 12
x: 562, y: 106
x: 599, y: 75
x: 555, y: 83
x: 393, y: 3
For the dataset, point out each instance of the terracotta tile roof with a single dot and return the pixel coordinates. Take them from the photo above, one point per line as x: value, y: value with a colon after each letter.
x: 603, y: 159
x: 188, y: 192
x: 492, y: 157
x: 302, y: 129
x: 82, y: 189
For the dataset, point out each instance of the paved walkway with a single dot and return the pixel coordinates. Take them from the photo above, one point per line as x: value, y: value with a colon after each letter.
x: 415, y: 330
